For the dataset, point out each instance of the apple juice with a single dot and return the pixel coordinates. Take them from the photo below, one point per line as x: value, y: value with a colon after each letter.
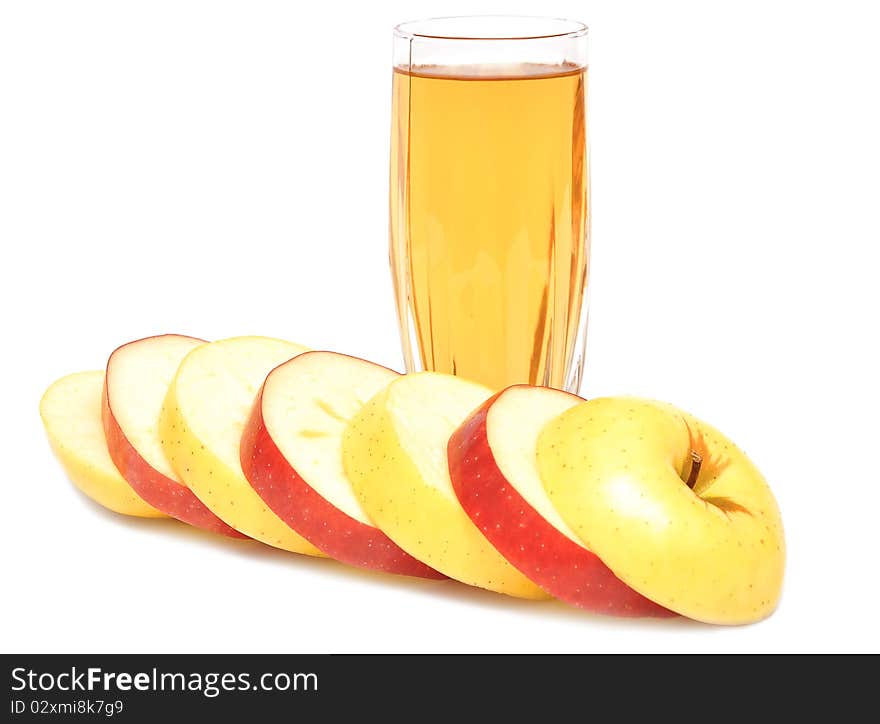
x: 489, y: 220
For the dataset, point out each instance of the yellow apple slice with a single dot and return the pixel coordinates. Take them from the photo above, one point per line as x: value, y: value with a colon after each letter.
x: 669, y: 504
x: 71, y: 412
x: 200, y: 429
x: 394, y: 454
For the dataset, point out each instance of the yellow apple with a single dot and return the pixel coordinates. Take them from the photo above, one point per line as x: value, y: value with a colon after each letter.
x: 200, y: 426
x: 71, y: 412
x: 669, y: 504
x: 394, y: 456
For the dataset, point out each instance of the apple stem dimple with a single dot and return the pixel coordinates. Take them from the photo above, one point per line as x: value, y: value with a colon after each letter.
x: 696, y: 462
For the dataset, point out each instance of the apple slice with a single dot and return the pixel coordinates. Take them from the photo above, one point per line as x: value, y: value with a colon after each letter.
x: 137, y: 380
x: 291, y: 452
x: 394, y: 454
x: 200, y: 426
x: 71, y: 412
x: 494, y: 471
x: 670, y: 505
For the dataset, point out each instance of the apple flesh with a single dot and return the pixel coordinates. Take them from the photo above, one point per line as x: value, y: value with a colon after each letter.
x: 203, y: 415
x: 494, y: 471
x: 670, y: 505
x: 71, y: 413
x: 394, y: 454
x: 291, y: 453
x: 136, y: 382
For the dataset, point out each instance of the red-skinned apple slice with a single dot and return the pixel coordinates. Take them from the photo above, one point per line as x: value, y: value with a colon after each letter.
x: 136, y: 382
x: 493, y: 466
x: 291, y: 453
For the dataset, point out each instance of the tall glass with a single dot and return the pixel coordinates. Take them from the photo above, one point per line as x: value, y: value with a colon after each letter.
x: 489, y: 202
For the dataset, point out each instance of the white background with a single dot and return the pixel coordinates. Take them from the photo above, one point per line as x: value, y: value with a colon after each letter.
x: 220, y: 168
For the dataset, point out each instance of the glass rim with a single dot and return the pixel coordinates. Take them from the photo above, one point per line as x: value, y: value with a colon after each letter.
x: 573, y: 28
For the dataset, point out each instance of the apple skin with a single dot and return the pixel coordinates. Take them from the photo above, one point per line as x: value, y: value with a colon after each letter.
x: 308, y: 513
x: 564, y: 569
x: 160, y: 491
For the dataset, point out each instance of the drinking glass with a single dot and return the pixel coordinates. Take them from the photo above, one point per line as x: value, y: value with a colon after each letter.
x: 489, y: 198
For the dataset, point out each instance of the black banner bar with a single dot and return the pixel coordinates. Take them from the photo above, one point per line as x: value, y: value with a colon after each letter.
x: 256, y: 688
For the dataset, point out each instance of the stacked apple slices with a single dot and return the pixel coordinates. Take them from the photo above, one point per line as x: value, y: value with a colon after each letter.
x: 494, y: 470
x: 618, y: 506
